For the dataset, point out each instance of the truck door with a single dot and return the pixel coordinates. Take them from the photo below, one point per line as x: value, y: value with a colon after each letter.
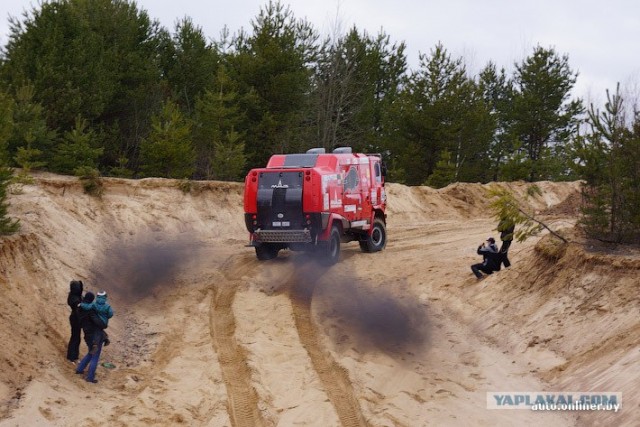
x: 377, y: 194
x: 365, y: 189
x: 352, y: 199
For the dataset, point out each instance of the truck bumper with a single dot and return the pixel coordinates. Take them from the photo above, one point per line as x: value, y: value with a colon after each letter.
x: 281, y: 236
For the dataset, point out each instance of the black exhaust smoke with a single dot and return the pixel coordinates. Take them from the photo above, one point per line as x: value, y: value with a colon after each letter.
x: 134, y: 270
x: 356, y: 314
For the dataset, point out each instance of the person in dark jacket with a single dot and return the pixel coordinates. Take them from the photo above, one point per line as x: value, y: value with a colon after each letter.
x: 73, y: 300
x: 491, y: 259
x: 94, y: 336
x: 506, y: 227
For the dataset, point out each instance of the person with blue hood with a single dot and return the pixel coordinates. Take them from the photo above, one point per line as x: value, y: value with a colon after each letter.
x: 73, y: 300
x: 94, y: 336
x: 102, y: 307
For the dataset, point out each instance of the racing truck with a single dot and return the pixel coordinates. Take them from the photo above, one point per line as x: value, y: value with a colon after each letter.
x: 315, y: 201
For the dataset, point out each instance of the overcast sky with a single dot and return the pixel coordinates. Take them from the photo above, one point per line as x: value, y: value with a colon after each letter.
x: 602, y: 38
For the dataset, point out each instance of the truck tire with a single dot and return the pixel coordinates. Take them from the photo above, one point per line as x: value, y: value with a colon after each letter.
x: 377, y: 240
x: 266, y: 252
x: 332, y: 249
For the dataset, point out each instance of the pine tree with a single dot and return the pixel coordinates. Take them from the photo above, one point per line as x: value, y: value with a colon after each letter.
x: 77, y: 150
x: 229, y: 158
x: 440, y: 108
x: 356, y: 81
x: 98, y: 59
x: 444, y: 172
x: 497, y: 91
x: 6, y: 125
x: 189, y: 63
x: 31, y: 141
x: 168, y: 151
x: 609, y: 163
x: 216, y: 138
x: 7, y: 224
x: 543, y: 117
x: 272, y: 68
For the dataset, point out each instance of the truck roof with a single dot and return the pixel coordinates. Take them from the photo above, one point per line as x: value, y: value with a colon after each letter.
x: 307, y: 160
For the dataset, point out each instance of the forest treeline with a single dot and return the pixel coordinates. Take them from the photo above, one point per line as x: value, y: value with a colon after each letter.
x: 99, y: 86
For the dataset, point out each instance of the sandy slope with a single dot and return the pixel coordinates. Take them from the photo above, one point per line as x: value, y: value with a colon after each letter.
x: 204, y: 334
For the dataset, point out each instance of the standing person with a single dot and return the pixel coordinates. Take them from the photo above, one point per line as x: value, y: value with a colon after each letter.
x: 506, y: 227
x: 491, y: 259
x: 102, y: 307
x: 94, y: 336
x: 73, y: 300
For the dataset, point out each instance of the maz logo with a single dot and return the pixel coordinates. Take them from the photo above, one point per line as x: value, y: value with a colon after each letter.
x: 280, y: 185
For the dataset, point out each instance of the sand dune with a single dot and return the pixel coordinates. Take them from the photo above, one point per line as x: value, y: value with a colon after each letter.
x: 204, y: 334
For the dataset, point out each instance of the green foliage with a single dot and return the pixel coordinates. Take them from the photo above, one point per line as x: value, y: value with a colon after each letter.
x: 551, y: 248
x: 276, y: 88
x: 542, y: 117
x: 168, y: 151
x: 229, y: 157
x: 121, y: 170
x: 189, y: 187
x: 96, y: 59
x: 77, y: 150
x: 497, y: 92
x: 516, y: 166
x: 22, y: 178
x: 272, y: 68
x: 219, y: 147
x: 185, y: 185
x: 533, y: 190
x: 7, y: 225
x: 440, y: 109
x: 188, y: 63
x: 507, y: 208
x: 444, y: 173
x: 28, y: 158
x: 90, y: 180
x: 356, y: 81
x: 30, y: 141
x: 609, y: 163
x: 6, y: 125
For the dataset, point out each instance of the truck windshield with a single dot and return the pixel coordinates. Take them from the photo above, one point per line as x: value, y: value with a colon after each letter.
x: 300, y: 160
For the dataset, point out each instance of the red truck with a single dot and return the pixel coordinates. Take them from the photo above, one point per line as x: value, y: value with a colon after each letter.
x: 313, y: 201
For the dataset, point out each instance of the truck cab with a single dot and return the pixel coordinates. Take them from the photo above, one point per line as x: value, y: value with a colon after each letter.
x: 315, y: 201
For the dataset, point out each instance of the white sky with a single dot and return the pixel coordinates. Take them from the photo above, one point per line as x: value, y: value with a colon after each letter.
x: 602, y: 38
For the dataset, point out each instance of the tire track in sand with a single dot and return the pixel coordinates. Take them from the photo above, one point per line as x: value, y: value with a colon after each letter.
x: 334, y: 378
x: 243, y: 399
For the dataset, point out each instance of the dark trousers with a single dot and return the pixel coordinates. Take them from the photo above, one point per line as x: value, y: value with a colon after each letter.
x: 504, y: 250
x: 92, y: 358
x: 477, y: 268
x: 73, y: 349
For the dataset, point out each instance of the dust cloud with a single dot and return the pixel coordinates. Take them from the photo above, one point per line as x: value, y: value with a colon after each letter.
x: 133, y: 270
x: 370, y: 319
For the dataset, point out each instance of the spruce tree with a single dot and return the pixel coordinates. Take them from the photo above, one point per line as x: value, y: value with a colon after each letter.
x: 77, y: 150
x: 7, y: 224
x: 167, y: 151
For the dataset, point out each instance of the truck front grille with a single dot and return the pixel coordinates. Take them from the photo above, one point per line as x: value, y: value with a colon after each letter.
x: 283, y: 236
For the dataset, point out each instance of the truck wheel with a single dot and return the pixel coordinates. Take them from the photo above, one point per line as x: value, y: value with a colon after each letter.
x: 332, y: 251
x: 266, y: 252
x: 377, y: 240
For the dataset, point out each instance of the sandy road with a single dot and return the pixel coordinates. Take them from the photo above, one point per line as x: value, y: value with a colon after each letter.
x: 385, y: 339
x: 437, y: 373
